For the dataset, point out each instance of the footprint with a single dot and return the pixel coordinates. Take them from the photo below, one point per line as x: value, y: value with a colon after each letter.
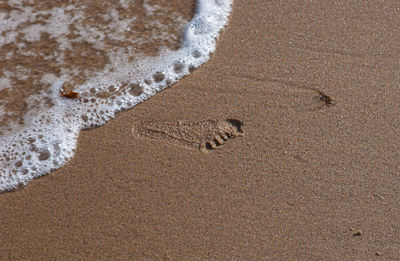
x: 205, y: 135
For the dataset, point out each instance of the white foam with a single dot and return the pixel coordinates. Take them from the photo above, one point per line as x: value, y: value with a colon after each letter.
x: 49, y: 138
x: 150, y: 8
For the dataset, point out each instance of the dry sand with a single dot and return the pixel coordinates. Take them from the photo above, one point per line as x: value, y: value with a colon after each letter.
x: 305, y: 181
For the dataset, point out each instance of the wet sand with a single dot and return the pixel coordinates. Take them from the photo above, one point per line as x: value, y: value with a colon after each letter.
x: 313, y: 176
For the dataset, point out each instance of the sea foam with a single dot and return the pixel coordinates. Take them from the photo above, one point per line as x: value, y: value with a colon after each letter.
x: 44, y: 137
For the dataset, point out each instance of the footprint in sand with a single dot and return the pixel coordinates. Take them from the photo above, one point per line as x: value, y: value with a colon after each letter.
x: 205, y: 135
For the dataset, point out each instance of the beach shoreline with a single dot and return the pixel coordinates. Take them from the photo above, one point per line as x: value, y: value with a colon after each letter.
x: 287, y: 175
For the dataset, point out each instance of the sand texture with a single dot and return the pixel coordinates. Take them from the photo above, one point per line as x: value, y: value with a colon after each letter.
x: 284, y: 146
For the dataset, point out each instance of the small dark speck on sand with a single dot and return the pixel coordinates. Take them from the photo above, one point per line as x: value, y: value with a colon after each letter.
x: 358, y: 233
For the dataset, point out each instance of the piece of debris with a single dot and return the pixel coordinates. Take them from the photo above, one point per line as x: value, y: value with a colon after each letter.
x: 66, y: 91
x: 377, y: 253
x: 325, y: 99
x: 358, y: 233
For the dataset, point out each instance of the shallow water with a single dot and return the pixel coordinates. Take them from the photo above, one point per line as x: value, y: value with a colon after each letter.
x: 69, y: 65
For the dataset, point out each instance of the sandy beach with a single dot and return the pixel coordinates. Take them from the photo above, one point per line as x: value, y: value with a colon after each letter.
x: 283, y: 146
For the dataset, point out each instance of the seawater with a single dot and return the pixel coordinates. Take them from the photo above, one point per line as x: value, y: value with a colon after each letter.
x: 112, y: 55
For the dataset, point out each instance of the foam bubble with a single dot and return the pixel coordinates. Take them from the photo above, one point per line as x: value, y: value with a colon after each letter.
x: 51, y: 122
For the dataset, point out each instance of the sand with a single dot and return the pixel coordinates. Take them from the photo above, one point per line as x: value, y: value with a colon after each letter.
x: 306, y: 180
